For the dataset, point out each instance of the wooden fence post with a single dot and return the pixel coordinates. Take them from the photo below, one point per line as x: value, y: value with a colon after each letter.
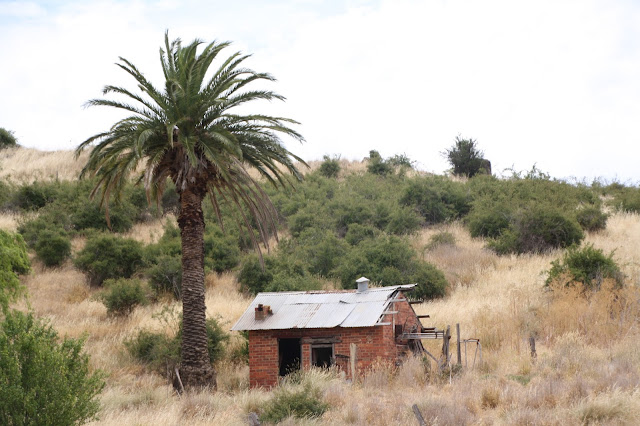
x: 445, y: 345
x: 458, y: 338
x: 418, y: 415
x: 353, y: 353
x: 532, y: 344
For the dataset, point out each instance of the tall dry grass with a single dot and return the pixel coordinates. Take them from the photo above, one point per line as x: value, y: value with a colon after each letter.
x: 25, y: 165
x: 587, y: 369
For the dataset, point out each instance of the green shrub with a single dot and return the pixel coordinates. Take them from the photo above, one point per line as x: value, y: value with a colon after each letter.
x: 437, y: 199
x: 431, y: 281
x: 627, y: 199
x: 34, y: 196
x: 465, y: 158
x: 403, y: 221
x: 286, y: 282
x: 6, y: 196
x: 221, y: 251
x: 162, y: 353
x: 44, y: 381
x: 121, y: 296
x: 357, y: 233
x: 51, y: 218
x: 89, y: 215
x: 592, y: 219
x: 13, y: 261
x: 253, y: 277
x: 390, y: 261
x: 587, y: 265
x: 13, y: 253
x: 305, y: 402
x: 320, y: 251
x: 377, y: 165
x: 537, y: 230
x: 53, y: 247
x: 166, y: 276
x: 107, y: 256
x: 401, y: 160
x: 441, y: 239
x: 330, y: 167
x: 157, y: 350
x: 7, y: 139
x: 489, y: 221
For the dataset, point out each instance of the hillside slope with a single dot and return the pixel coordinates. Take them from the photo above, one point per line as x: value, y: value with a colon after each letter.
x: 587, y: 369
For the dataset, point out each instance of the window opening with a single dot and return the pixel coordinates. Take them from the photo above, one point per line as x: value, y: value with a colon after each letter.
x: 322, y: 355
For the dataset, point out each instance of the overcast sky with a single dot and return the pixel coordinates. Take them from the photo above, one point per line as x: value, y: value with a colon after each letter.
x: 547, y: 82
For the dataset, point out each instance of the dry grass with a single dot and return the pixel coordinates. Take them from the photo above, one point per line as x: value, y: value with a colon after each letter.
x: 587, y: 370
x: 9, y: 221
x: 25, y: 165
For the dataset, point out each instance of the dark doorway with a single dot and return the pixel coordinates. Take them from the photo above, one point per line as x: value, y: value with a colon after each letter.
x: 289, y: 354
x: 322, y: 356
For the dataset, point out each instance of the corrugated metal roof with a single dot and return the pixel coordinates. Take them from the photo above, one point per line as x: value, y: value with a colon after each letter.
x: 319, y: 309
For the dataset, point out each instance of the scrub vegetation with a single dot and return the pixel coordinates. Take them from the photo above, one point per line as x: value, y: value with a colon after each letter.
x: 507, y: 258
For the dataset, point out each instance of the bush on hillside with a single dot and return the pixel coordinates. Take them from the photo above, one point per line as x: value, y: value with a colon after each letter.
x: 403, y: 221
x: 34, y: 196
x: 465, y: 158
x: 537, y: 230
x: 6, y: 196
x: 627, y: 200
x: 390, y: 261
x: 586, y: 265
x: 44, y: 380
x: 165, y: 277
x: 53, y: 247
x: 161, y: 352
x: 89, y: 215
x: 330, y: 167
x: 437, y: 199
x: 7, y: 139
x: 253, y: 277
x: 13, y: 261
x: 489, y: 221
x: 357, y: 233
x: 121, y: 296
x: 377, y: 165
x: 221, y: 250
x: 107, y: 256
x: 592, y: 219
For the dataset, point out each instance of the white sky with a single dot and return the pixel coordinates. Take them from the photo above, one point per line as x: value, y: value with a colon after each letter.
x: 547, y: 82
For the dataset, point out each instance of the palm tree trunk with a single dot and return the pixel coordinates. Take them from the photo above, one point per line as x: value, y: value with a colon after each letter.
x: 195, y: 369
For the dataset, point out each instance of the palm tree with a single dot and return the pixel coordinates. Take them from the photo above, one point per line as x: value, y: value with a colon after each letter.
x: 189, y: 134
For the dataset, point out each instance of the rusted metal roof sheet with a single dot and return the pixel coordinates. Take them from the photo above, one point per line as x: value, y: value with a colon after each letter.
x: 319, y: 309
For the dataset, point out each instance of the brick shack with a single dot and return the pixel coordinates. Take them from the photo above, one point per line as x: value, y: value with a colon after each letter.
x: 351, y: 329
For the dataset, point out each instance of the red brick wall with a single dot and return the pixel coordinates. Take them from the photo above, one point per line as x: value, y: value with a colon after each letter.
x: 373, y: 344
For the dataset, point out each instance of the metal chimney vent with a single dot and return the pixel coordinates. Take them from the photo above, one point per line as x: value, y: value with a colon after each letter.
x: 363, y: 284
